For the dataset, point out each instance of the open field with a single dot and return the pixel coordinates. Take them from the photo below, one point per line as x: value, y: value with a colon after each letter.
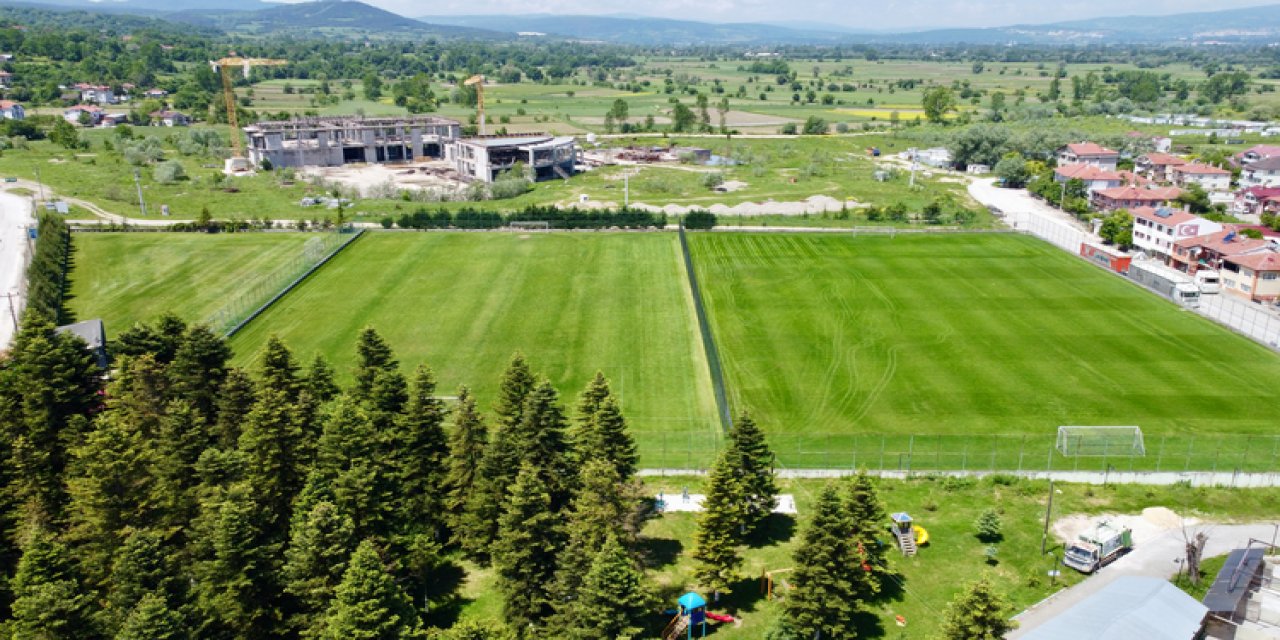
x: 827, y: 339
x: 464, y: 303
x: 953, y: 558
x: 124, y: 278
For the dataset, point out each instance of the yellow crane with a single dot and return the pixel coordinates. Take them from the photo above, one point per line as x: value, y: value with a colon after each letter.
x: 238, y: 162
x: 478, y: 82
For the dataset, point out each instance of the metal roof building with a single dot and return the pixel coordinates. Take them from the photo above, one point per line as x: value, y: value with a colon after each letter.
x: 1130, y: 607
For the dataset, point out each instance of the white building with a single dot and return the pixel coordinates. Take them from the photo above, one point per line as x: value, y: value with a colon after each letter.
x: 96, y: 93
x: 485, y: 158
x: 1156, y: 229
x: 72, y: 115
x: 1089, y: 153
x: 1094, y: 179
x: 10, y: 110
x: 1261, y: 173
x: 1210, y: 178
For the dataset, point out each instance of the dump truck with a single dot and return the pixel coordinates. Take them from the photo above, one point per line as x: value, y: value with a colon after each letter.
x: 1097, y: 547
x: 1167, y: 281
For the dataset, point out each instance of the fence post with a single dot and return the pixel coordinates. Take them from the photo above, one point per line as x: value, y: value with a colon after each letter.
x: 882, y: 454
x: 911, y: 448
x: 1244, y: 455
x: 1160, y: 454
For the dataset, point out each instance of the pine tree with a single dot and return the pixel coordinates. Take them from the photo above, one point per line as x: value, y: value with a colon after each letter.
x: 270, y: 446
x: 867, y: 521
x: 603, y: 507
x: 978, y: 613
x: 160, y: 341
x: 988, y: 526
x: 715, y: 549
x: 755, y: 468
x: 467, y: 442
x: 351, y: 467
x: 49, y: 599
x: 581, y: 434
x: 475, y: 630
x: 322, y: 541
x: 199, y: 369
x: 612, y: 440
x: 614, y: 599
x: 181, y: 439
x: 527, y: 550
x: 235, y: 400
x: 373, y: 356
x: 824, y: 599
x: 145, y: 566
x: 542, y: 442
x: 278, y: 370
x: 517, y: 383
x: 153, y: 619
x: 368, y: 604
x: 417, y: 452
x: 238, y: 584
x: 320, y: 380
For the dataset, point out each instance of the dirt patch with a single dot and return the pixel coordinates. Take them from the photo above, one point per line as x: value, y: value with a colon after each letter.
x: 1152, y: 522
x: 729, y: 186
x: 370, y: 180
x: 810, y: 205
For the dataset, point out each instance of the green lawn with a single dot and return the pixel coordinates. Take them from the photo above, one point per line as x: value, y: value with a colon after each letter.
x: 124, y: 278
x: 836, y: 342
x: 572, y: 303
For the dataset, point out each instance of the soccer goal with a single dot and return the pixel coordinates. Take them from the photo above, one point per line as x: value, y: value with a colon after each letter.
x: 530, y: 225
x: 1100, y: 441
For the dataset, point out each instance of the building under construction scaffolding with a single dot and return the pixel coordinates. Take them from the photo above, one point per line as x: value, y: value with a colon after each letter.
x: 486, y: 157
x: 333, y: 141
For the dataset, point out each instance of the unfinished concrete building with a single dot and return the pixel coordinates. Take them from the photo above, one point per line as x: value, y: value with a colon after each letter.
x: 486, y: 157
x: 333, y: 141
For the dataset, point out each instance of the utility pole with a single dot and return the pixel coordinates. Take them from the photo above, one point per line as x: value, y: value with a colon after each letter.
x: 137, y: 182
x: 13, y: 313
x: 1044, y: 538
x: 39, y: 183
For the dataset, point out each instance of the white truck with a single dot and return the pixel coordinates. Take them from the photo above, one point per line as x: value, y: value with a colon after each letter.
x: 1209, y: 280
x: 1167, y: 281
x: 1097, y: 547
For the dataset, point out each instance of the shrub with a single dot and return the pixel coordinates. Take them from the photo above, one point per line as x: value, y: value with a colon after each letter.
x: 988, y: 526
x: 699, y: 220
x: 169, y: 172
x: 712, y: 180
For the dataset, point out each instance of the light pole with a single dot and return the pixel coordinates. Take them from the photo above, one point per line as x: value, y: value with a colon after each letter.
x: 137, y: 182
x: 39, y: 183
x: 1044, y: 537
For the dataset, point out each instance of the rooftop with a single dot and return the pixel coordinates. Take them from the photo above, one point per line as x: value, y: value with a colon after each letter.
x: 1164, y: 159
x: 1226, y: 242
x: 1090, y: 149
x: 1162, y: 215
x: 1261, y: 261
x: 1158, y: 194
x: 1128, y: 608
x: 1270, y: 163
x: 1201, y: 169
x: 91, y: 331
x: 1080, y: 171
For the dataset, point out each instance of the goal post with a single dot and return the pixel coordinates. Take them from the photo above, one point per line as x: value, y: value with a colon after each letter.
x: 1100, y: 441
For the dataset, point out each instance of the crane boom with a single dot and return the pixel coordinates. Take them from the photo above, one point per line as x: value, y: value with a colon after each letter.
x: 224, y: 66
x: 478, y: 82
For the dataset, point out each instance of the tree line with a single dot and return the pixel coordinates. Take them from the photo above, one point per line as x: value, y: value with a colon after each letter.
x: 555, y: 217
x: 47, y: 273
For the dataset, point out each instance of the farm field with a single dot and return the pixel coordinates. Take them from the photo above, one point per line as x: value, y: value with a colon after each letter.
x: 834, y: 343
x: 125, y: 278
x: 464, y: 303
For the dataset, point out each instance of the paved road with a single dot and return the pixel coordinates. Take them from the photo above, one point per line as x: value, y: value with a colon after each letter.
x: 1018, y: 204
x: 1152, y: 558
x: 15, y: 217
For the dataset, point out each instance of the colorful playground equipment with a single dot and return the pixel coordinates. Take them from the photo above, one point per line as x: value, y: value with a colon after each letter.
x: 691, y: 612
x: 910, y: 536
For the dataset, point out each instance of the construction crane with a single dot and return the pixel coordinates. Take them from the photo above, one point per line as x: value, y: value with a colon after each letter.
x: 478, y: 82
x: 237, y: 162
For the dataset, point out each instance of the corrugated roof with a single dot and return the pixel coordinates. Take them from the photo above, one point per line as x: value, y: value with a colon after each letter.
x: 1233, y: 580
x: 1129, y: 608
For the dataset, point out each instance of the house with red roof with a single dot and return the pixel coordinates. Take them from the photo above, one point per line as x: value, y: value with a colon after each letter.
x: 1094, y: 178
x: 1254, y: 154
x: 1262, y: 173
x: 1161, y: 144
x: 1130, y: 197
x: 1089, y: 153
x: 166, y: 118
x: 1255, y: 276
x: 1156, y: 229
x: 1208, y: 251
x: 95, y: 112
x: 1209, y: 177
x: 1158, y: 166
x: 96, y: 93
x: 10, y: 110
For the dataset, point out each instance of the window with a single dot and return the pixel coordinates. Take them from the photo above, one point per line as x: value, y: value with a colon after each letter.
x: 1246, y: 288
x: 1270, y: 275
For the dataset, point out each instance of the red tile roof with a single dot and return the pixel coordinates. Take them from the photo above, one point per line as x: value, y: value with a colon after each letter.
x: 1079, y: 171
x: 1238, y: 245
x: 1261, y: 193
x: 1175, y: 217
x: 1158, y: 194
x: 1164, y: 159
x: 1201, y: 170
x: 1090, y: 149
x: 1265, y: 261
x: 8, y: 104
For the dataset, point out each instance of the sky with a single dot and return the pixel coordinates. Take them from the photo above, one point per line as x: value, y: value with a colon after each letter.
x: 860, y: 14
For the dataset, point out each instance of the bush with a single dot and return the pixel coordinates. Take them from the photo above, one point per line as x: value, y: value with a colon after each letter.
x: 699, y: 220
x: 169, y: 172
x: 988, y: 526
x: 788, y: 129
x: 712, y: 180
x: 815, y: 126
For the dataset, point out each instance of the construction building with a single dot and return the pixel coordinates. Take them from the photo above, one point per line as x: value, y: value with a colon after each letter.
x: 333, y: 141
x: 486, y: 157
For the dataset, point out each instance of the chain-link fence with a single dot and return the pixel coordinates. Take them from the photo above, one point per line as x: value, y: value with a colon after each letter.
x: 1256, y: 322
x: 974, y: 453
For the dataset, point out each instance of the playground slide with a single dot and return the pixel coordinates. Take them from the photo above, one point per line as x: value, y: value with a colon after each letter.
x: 719, y: 617
x: 922, y: 535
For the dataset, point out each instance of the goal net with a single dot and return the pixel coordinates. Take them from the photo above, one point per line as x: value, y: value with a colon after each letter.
x: 1100, y: 441
x: 530, y: 225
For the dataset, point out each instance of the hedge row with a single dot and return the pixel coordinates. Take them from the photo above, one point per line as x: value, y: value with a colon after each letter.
x: 46, y: 276
x: 555, y: 217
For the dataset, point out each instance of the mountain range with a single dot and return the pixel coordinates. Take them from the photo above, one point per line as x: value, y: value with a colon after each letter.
x: 350, y: 18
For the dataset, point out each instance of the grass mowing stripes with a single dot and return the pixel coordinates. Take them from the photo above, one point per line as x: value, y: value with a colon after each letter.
x: 573, y: 303
x: 124, y: 278
x: 966, y: 337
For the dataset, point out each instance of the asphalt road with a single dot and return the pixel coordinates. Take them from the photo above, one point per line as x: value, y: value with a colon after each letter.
x: 15, y: 217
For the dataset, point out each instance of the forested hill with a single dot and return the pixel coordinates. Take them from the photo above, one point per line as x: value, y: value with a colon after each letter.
x: 329, y: 17
x: 644, y: 31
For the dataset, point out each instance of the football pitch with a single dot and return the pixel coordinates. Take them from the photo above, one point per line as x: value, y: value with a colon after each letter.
x: 912, y: 352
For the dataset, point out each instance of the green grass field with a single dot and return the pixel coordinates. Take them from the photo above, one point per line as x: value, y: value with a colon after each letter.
x: 464, y: 303
x: 966, y: 337
x: 124, y: 278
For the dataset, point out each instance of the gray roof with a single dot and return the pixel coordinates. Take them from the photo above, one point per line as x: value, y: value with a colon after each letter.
x: 1234, y: 580
x: 91, y: 331
x: 1130, y: 607
x: 1265, y: 164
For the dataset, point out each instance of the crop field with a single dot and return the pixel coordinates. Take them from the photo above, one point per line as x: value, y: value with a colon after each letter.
x: 125, y: 278
x: 464, y: 303
x: 834, y: 342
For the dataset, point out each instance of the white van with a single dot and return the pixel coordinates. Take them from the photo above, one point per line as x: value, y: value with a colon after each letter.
x: 1209, y: 281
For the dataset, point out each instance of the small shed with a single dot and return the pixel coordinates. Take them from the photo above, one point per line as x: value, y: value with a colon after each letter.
x: 1130, y: 607
x: 94, y: 335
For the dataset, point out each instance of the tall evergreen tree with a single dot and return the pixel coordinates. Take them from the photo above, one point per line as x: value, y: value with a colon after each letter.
x: 867, y: 519
x: 612, y: 441
x: 614, y: 599
x: 368, y: 604
x: 321, y: 543
x: 417, y: 452
x: 144, y: 567
x: 581, y: 434
x: 50, y: 600
x: 160, y: 340
x: 320, y: 380
x: 373, y: 357
x: 517, y: 383
x: 198, y: 370
x: 755, y: 469
x: 715, y: 543
x: 542, y: 442
x: 271, y: 448
x: 181, y: 439
x: 351, y: 467
x: 239, y: 584
x: 824, y: 599
x: 467, y: 442
x: 527, y: 550
x: 278, y: 370
x: 236, y: 398
x: 978, y: 613
x: 153, y: 619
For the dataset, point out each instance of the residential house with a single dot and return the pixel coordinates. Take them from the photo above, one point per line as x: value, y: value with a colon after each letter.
x: 10, y: 110
x: 96, y: 93
x: 1089, y: 153
x: 94, y: 335
x: 169, y: 119
x: 1255, y: 276
x: 1210, y: 178
x: 1262, y: 173
x: 6, y: 80
x: 1158, y: 166
x: 1159, y: 144
x: 1254, y: 200
x: 6, y: 57
x: 1094, y: 179
x: 1191, y: 254
x: 72, y: 115
x: 1156, y: 229
x: 114, y: 119
x: 1130, y: 197
x: 1254, y: 154
x: 156, y: 94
